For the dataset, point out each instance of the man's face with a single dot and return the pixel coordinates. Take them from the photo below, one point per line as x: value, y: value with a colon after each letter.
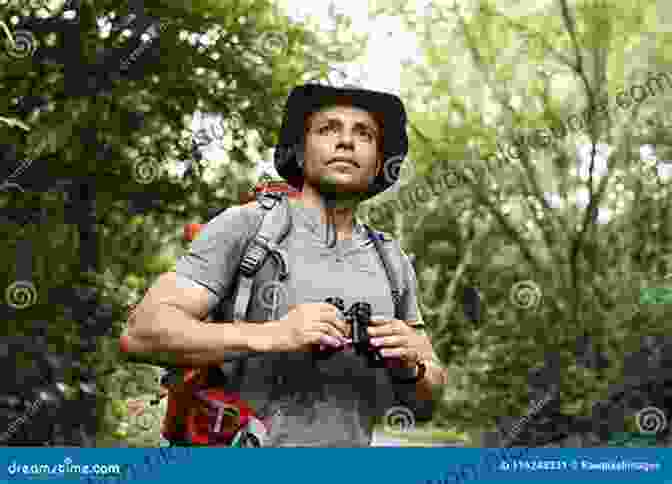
x: 342, y: 149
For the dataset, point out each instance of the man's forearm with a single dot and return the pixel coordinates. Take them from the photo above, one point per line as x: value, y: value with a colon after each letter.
x: 176, y: 339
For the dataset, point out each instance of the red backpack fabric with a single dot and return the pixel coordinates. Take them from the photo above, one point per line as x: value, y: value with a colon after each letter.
x: 199, y: 414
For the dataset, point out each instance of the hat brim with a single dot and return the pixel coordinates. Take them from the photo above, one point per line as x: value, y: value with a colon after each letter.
x: 310, y: 98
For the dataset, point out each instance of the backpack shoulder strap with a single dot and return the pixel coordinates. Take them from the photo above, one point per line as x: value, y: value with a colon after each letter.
x: 394, y: 278
x: 275, y: 224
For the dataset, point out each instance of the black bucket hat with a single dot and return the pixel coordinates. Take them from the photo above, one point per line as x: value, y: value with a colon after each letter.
x: 310, y: 98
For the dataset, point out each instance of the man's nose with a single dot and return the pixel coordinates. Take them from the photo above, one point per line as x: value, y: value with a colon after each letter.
x: 345, y: 141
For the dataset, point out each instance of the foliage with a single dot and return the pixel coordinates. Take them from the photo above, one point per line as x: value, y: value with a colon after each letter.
x: 493, y: 72
x: 121, y: 131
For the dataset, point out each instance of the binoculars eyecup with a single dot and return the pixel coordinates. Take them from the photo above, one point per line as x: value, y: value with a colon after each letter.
x: 359, y: 319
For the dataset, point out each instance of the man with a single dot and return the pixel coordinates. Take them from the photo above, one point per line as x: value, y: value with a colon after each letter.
x: 333, y: 147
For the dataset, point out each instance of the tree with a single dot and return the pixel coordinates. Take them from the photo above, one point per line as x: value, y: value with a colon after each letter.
x: 550, y: 271
x: 97, y: 107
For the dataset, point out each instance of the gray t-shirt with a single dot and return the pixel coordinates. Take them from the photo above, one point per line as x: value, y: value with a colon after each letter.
x: 329, y: 403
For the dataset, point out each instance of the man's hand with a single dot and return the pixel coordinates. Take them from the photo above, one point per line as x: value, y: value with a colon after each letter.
x: 305, y: 326
x: 396, y: 339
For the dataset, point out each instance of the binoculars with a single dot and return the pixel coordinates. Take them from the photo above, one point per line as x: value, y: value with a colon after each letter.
x: 359, y: 318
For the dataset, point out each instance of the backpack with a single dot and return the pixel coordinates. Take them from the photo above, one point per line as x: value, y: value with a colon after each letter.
x: 204, y: 408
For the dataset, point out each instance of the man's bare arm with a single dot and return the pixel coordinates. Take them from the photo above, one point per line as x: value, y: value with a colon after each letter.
x: 167, y: 326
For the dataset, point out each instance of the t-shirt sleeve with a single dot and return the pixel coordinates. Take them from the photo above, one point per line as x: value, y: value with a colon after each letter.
x: 212, y: 259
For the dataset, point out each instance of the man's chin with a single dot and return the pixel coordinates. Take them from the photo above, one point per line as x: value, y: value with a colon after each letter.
x: 345, y: 184
x: 343, y: 188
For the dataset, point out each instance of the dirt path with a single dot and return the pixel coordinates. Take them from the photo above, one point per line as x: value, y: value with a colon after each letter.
x: 381, y: 439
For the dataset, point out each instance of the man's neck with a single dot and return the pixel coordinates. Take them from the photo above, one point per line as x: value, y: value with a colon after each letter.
x: 343, y: 216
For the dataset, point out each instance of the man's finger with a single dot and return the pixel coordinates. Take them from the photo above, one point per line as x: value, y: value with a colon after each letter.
x: 393, y: 352
x: 342, y: 327
x: 384, y: 330
x: 328, y: 313
x: 331, y: 317
x: 331, y: 330
x: 380, y: 321
x: 389, y: 342
x: 330, y: 341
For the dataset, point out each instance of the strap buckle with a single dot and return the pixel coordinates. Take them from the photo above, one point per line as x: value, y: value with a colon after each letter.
x: 269, y: 199
x: 254, y: 256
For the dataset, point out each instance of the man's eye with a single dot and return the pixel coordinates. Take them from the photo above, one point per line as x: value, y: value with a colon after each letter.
x: 325, y: 129
x: 367, y: 134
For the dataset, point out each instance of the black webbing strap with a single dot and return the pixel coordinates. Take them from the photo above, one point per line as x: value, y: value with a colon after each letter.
x: 274, y: 227
x: 394, y: 282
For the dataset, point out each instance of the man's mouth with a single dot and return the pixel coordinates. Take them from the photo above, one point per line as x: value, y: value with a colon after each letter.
x: 343, y: 160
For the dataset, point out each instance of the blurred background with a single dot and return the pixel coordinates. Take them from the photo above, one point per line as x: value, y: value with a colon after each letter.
x: 123, y: 123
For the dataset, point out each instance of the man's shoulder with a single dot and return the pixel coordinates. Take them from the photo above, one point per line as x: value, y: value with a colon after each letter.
x: 237, y: 215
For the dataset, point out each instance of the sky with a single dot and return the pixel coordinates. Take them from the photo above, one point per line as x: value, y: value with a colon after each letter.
x: 389, y: 42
